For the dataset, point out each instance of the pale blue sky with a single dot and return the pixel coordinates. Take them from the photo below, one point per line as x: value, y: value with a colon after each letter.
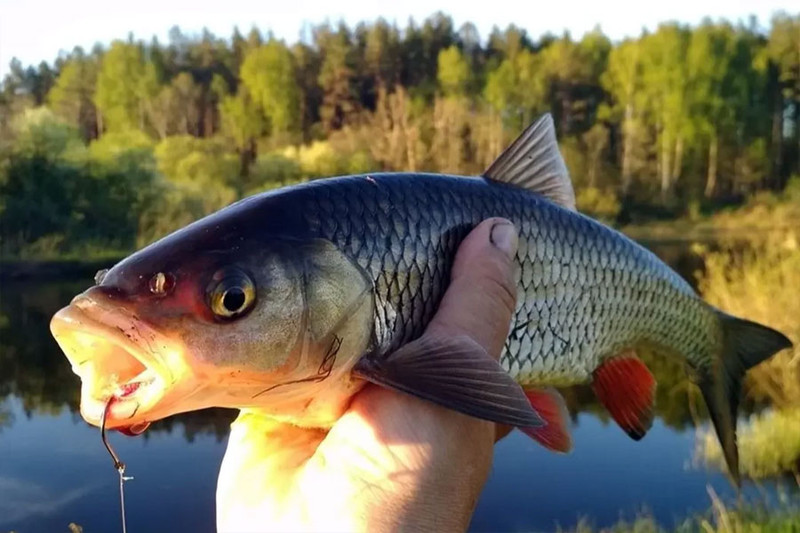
x: 35, y: 30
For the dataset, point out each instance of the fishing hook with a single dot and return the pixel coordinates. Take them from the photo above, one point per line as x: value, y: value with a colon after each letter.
x: 118, y: 465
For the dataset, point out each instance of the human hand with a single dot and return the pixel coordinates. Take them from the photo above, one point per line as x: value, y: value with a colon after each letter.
x: 392, y: 461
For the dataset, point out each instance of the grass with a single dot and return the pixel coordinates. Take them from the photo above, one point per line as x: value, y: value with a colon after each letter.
x: 720, y: 518
x: 769, y: 445
x: 761, y: 282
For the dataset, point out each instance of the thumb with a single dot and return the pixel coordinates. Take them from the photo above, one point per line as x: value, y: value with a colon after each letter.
x: 481, y: 298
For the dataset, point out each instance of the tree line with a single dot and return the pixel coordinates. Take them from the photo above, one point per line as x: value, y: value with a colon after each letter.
x: 113, y: 147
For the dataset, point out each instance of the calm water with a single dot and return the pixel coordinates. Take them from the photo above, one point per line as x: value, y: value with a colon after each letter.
x: 54, y: 470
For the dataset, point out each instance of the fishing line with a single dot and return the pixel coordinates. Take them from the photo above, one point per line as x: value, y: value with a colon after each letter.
x: 118, y: 465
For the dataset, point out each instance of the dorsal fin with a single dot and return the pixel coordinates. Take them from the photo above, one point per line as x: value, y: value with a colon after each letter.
x: 534, y: 162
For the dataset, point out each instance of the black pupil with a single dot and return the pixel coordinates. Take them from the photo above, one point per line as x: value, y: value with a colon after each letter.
x: 233, y: 299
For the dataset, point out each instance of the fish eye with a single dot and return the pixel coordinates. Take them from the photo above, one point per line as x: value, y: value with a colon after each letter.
x: 231, y: 293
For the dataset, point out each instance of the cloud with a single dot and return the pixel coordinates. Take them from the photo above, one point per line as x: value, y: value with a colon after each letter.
x: 23, y: 499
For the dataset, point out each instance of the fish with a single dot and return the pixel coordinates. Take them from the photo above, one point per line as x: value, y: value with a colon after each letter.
x: 291, y: 300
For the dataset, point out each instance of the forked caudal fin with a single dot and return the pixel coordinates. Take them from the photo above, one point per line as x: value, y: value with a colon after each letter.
x: 745, y: 344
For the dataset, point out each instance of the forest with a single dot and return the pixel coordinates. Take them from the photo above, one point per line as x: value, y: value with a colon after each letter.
x: 105, y: 150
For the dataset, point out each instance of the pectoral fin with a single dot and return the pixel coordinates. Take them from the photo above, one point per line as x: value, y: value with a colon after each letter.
x: 456, y: 373
x: 627, y: 389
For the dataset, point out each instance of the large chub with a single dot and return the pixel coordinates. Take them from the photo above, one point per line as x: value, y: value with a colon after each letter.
x: 745, y: 344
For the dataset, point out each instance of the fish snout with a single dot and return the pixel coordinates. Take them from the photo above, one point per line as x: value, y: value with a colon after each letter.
x: 111, y: 351
x: 99, y: 295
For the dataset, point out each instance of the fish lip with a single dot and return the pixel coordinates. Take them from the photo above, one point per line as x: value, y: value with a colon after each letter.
x: 118, y: 331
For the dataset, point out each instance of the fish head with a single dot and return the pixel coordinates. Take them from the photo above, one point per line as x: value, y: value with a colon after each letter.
x: 225, y: 320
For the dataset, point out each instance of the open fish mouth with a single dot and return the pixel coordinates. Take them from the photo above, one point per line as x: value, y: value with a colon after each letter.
x: 116, y: 356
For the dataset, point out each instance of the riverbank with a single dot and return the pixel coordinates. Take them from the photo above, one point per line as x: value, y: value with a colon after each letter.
x: 761, y: 215
x: 719, y: 519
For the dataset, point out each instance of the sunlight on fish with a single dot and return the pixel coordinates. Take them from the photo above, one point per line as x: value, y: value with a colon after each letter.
x: 287, y: 303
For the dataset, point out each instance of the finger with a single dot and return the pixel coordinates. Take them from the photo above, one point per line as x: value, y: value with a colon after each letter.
x: 481, y: 298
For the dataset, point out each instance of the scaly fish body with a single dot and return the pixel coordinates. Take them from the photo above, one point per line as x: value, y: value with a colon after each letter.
x: 289, y: 301
x: 584, y: 291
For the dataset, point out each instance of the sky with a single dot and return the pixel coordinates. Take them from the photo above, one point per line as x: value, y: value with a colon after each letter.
x: 35, y: 30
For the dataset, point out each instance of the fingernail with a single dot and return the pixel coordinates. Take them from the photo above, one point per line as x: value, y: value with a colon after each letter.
x: 504, y: 237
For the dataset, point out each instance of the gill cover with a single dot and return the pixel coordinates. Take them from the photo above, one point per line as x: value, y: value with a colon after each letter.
x: 338, y: 305
x: 332, y: 328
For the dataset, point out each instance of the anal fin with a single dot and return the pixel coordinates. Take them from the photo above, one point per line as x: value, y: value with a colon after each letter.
x: 554, y: 435
x: 626, y: 388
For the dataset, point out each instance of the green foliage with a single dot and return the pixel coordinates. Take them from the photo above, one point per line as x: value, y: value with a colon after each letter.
x: 176, y: 157
x: 241, y: 119
x: 56, y: 196
x: 274, y: 170
x: 125, y: 84
x: 454, y: 72
x: 784, y: 49
x: 31, y: 220
x: 622, y: 77
x: 320, y: 159
x: 121, y: 148
x: 175, y: 109
x: 681, y: 121
x: 603, y: 205
x: 571, y: 72
x: 268, y: 74
x: 517, y: 88
x: 195, y: 178
x: 336, y: 77
x: 382, y: 52
x: 38, y: 132
x: 71, y: 97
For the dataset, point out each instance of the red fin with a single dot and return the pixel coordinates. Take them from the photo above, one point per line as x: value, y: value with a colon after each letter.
x: 627, y: 389
x: 550, y: 406
x: 134, y: 430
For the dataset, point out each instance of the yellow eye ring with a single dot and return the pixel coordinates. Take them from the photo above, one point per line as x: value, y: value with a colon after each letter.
x: 232, y: 293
